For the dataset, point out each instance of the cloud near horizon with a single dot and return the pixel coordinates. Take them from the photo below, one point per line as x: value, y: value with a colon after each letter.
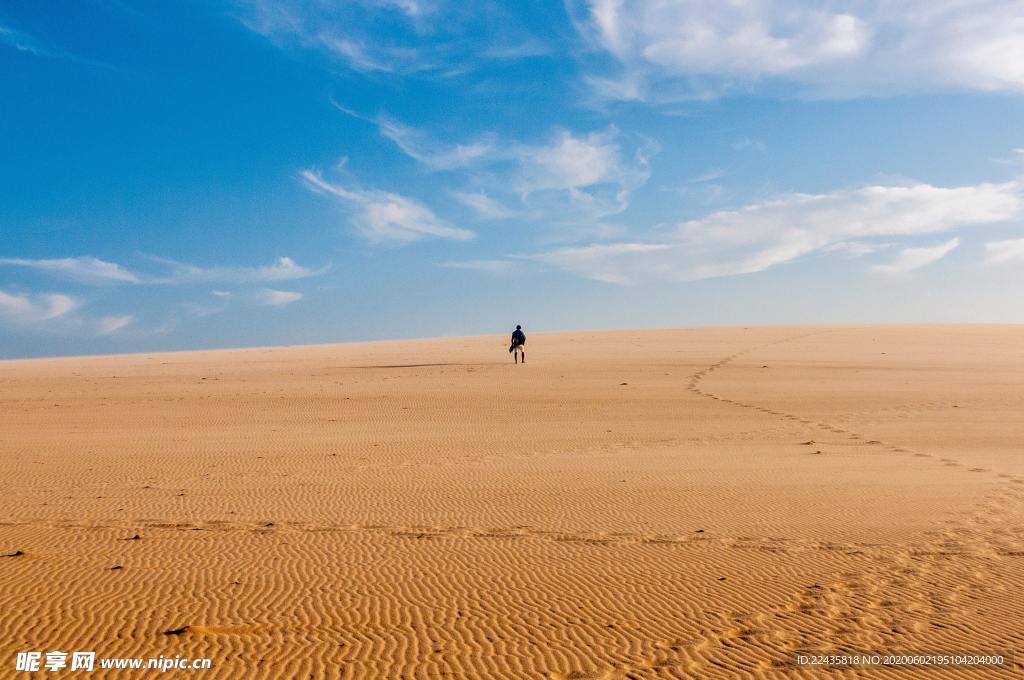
x: 92, y: 270
x: 112, y: 324
x: 910, y: 259
x: 59, y: 312
x: 30, y: 309
x: 278, y: 298
x: 1004, y: 252
x: 56, y: 314
x: 84, y: 268
x: 770, y: 233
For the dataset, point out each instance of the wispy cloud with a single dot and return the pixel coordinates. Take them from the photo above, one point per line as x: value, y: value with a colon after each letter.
x: 357, y: 54
x: 84, y: 268
x: 767, y: 234
x: 25, y: 43
x: 568, y: 161
x: 386, y: 217
x: 704, y: 185
x: 92, y: 270
x: 708, y: 176
x: 109, y: 325
x: 910, y: 259
x: 856, y: 249
x: 287, y: 26
x: 33, y: 309
x: 282, y: 269
x: 38, y: 47
x: 56, y: 314
x: 570, y: 176
x: 695, y: 48
x: 489, y: 266
x: 523, y: 50
x: 208, y: 309
x: 484, y: 205
x: 417, y: 145
x: 344, y: 31
x: 376, y: 37
x: 578, y: 177
x: 1004, y: 252
x: 613, y: 262
x: 278, y: 298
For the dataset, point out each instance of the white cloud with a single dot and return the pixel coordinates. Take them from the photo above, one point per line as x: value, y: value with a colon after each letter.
x: 112, y: 324
x: 484, y: 205
x: 356, y: 53
x: 569, y: 177
x: 278, y: 298
x: 774, y: 232
x: 708, y: 176
x: 570, y: 162
x: 611, y: 263
x: 282, y: 269
x: 55, y: 312
x: 575, y: 177
x: 608, y: 17
x: 704, y: 187
x: 23, y: 42
x: 680, y: 48
x: 33, y: 309
x: 567, y: 162
x: 87, y: 269
x: 910, y: 259
x: 376, y: 37
x: 309, y: 27
x: 1004, y: 252
x: 200, y: 309
x: 856, y: 248
x: 389, y: 37
x: 83, y: 268
x: 435, y: 156
x: 386, y: 217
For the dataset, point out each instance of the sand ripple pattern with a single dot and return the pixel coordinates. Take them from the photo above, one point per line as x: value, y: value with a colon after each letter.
x: 631, y: 504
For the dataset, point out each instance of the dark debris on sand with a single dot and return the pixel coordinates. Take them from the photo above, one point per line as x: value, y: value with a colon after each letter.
x: 176, y: 631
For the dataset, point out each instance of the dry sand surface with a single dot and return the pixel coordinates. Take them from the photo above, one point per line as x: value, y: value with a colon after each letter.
x: 646, y: 504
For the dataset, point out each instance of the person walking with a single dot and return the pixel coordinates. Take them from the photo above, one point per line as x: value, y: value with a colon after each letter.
x: 518, y: 344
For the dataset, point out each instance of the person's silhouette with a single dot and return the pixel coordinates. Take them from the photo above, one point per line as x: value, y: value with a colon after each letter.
x: 518, y: 344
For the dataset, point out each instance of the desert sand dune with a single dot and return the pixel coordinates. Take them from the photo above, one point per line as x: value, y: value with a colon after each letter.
x: 631, y: 504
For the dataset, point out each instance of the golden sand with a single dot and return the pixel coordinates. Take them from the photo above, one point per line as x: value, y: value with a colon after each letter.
x: 643, y: 504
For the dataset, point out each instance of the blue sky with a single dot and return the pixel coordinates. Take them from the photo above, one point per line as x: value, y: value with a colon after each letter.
x: 210, y: 174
